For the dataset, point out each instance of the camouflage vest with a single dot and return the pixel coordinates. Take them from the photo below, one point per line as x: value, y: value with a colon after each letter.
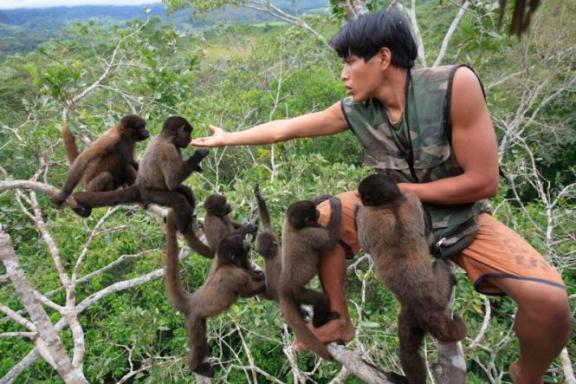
x: 426, y: 129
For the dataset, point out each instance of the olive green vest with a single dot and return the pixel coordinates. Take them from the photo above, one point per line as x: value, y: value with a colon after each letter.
x: 426, y: 126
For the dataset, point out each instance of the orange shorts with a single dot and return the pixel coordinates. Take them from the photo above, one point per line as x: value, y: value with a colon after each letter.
x: 497, y: 251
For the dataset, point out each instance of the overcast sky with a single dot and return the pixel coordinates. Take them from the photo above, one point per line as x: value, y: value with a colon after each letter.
x: 11, y: 4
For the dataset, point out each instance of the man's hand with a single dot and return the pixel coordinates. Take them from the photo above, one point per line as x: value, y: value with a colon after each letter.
x: 211, y: 141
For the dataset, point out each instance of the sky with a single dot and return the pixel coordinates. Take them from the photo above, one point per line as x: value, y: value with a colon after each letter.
x: 11, y: 4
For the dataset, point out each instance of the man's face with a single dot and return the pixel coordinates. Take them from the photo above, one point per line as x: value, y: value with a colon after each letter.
x: 361, y: 78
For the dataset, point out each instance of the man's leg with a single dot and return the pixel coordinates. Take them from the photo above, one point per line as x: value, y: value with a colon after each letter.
x: 333, y: 276
x: 501, y: 261
x: 542, y: 325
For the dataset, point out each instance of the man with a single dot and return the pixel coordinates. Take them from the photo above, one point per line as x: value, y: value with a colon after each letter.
x: 429, y: 129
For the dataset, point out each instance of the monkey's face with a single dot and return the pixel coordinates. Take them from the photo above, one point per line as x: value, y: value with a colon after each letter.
x: 217, y: 205
x: 303, y: 214
x: 135, y: 127
x: 233, y: 250
x: 179, y: 130
x: 183, y: 136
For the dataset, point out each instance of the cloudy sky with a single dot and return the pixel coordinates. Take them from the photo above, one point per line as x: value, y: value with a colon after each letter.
x: 11, y: 4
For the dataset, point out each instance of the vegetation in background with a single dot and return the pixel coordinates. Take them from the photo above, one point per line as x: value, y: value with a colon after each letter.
x: 235, y: 76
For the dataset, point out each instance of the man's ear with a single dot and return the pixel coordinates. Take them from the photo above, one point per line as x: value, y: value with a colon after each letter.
x: 385, y: 56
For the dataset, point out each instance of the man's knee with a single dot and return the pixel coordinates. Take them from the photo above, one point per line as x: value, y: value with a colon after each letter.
x: 549, y: 306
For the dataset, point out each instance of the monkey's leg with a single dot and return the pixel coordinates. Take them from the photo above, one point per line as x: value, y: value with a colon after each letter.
x: 174, y: 200
x: 182, y: 215
x: 410, y: 336
x: 319, y: 302
x: 187, y: 192
x: 444, y: 277
x: 103, y: 182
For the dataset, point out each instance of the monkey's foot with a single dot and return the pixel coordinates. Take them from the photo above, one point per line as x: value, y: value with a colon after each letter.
x: 339, y: 330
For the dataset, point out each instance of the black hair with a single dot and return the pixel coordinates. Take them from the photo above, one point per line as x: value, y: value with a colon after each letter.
x: 365, y: 36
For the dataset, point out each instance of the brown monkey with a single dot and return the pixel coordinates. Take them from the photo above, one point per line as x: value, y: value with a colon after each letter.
x: 229, y: 277
x: 303, y: 240
x: 391, y: 228
x: 106, y: 164
x: 160, y: 175
x: 268, y: 246
x: 217, y: 222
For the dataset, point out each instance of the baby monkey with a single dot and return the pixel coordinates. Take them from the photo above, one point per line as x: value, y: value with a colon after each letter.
x: 392, y: 229
x: 231, y: 276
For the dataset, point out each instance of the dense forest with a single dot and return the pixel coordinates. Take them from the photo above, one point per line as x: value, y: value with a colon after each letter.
x: 96, y: 285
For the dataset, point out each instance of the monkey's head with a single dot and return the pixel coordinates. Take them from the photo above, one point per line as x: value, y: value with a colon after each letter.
x: 267, y: 245
x: 379, y: 191
x: 302, y: 214
x: 233, y: 250
x: 178, y: 130
x: 134, y: 127
x: 217, y: 205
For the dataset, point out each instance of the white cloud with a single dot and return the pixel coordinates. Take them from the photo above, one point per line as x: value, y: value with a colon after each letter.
x: 11, y: 4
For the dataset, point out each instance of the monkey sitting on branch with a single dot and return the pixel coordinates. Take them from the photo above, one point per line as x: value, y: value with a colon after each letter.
x: 107, y: 164
x: 303, y: 241
x: 218, y: 224
x: 392, y: 229
x: 230, y: 276
x: 161, y: 173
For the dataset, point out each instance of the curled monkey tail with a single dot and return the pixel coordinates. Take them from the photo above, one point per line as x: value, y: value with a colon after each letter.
x: 126, y: 195
x: 69, y: 143
x: 176, y: 292
x: 290, y: 310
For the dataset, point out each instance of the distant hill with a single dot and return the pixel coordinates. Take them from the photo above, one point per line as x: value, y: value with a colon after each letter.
x: 21, y: 30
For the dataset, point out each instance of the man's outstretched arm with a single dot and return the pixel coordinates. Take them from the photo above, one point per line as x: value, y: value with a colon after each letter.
x: 327, y: 122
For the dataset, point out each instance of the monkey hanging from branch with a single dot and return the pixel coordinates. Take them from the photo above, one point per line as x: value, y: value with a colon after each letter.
x: 159, y: 180
x: 392, y: 229
x: 107, y: 164
x: 231, y: 276
x: 268, y: 246
x: 303, y: 241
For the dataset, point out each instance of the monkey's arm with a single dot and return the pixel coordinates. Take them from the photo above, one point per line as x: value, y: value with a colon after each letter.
x: 175, y: 170
x: 248, y: 283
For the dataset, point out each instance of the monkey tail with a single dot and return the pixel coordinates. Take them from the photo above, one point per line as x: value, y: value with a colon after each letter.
x: 126, y: 195
x: 176, y: 292
x: 289, y: 309
x: 69, y: 143
x: 263, y: 210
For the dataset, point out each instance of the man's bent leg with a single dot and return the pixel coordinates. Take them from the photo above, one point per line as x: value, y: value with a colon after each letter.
x: 542, y: 325
x: 333, y: 278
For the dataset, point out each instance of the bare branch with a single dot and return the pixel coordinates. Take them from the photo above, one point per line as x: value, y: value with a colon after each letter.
x: 47, y: 332
x: 450, y: 33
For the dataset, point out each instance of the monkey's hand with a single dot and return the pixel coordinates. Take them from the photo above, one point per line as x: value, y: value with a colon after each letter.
x: 59, y: 198
x: 196, y: 158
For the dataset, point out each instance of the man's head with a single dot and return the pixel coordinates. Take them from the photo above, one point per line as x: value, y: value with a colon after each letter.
x: 365, y: 36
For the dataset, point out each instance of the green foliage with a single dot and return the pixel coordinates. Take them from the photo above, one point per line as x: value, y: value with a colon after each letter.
x: 236, y: 76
